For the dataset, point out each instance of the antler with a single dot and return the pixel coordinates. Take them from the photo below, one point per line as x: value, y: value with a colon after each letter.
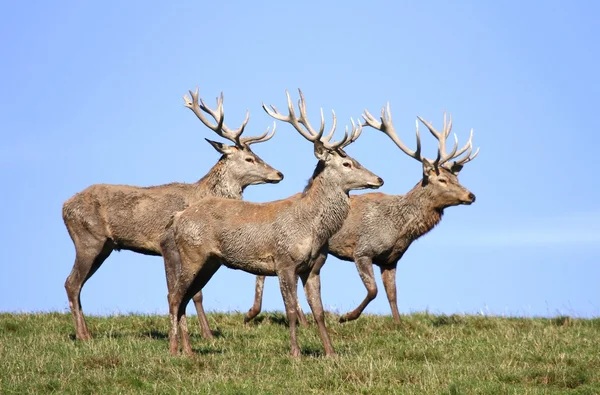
x: 198, y: 107
x: 387, y: 127
x: 308, y: 132
x: 259, y: 139
x: 467, y: 158
x: 356, y: 131
x: 443, y: 157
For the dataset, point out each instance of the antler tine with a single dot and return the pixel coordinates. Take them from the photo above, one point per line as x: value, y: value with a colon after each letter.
x: 442, y: 157
x: 474, y: 155
x: 439, y: 136
x: 386, y: 126
x: 354, y: 134
x: 338, y: 144
x: 304, y: 118
x: 198, y: 106
x: 290, y: 118
x: 467, y: 157
x: 193, y: 105
x: 301, y: 123
x: 466, y: 146
x: 232, y: 135
x: 259, y: 139
x: 333, y: 127
x: 448, y: 129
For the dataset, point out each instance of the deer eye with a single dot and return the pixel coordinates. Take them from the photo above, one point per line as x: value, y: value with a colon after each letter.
x: 443, y: 181
x: 347, y: 164
x: 249, y: 160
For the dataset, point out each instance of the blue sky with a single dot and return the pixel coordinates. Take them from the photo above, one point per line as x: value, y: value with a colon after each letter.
x: 91, y: 93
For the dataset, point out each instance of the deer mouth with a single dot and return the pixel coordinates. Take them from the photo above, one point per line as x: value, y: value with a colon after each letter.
x: 276, y: 179
x: 375, y: 185
x: 470, y: 200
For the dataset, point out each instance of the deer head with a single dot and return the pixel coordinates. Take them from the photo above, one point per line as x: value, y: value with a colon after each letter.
x: 241, y: 162
x: 440, y: 176
x: 347, y: 171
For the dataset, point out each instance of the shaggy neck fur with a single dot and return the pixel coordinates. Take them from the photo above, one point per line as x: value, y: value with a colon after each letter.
x: 220, y: 182
x: 418, y: 211
x: 324, y: 203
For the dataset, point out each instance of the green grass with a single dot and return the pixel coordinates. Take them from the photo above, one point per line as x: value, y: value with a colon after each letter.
x: 426, y: 354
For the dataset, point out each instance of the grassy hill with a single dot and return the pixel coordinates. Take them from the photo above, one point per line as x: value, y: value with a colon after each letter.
x: 426, y: 354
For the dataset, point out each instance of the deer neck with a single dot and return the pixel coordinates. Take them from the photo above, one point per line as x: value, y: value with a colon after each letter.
x: 220, y: 182
x: 324, y: 205
x: 417, y: 211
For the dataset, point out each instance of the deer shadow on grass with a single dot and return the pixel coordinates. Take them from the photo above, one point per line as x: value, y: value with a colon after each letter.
x: 269, y: 318
x: 160, y: 335
x: 310, y: 351
x: 207, y: 351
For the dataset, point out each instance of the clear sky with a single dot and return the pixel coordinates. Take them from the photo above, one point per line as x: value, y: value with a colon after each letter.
x: 91, y: 93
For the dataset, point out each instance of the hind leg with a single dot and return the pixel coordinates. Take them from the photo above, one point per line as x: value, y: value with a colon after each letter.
x: 365, y: 270
x: 204, y: 327
x: 90, y: 254
x: 257, y: 306
x: 195, y: 272
x: 258, y: 296
x: 172, y: 260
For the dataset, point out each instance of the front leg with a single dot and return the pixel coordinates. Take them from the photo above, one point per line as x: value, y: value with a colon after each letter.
x: 388, y: 275
x: 288, y: 282
x: 312, y: 289
x: 364, y: 265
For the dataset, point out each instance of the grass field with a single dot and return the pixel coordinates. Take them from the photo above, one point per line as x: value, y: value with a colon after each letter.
x: 426, y: 354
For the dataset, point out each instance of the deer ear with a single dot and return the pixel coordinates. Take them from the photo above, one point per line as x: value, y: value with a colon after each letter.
x: 321, y: 152
x: 456, y: 168
x: 222, y: 148
x: 428, y: 167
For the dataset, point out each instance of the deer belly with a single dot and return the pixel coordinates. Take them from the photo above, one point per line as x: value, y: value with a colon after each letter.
x: 262, y: 265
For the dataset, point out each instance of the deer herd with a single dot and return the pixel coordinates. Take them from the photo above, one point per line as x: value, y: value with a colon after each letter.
x: 199, y: 227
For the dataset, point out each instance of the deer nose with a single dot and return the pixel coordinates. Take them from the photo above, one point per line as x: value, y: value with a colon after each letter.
x: 472, y: 197
x: 280, y: 175
x: 380, y: 180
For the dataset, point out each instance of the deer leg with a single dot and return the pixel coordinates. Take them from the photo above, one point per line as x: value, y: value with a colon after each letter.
x: 319, y: 261
x: 388, y: 275
x: 312, y: 289
x: 204, y: 327
x: 258, y: 295
x: 365, y: 270
x: 201, y: 277
x: 90, y: 254
x: 257, y: 306
x: 178, y: 332
x: 301, y: 316
x: 176, y: 284
x: 288, y: 282
x: 186, y: 276
x: 175, y: 314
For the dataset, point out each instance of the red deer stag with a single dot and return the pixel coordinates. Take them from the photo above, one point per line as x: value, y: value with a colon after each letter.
x: 285, y: 238
x: 103, y: 218
x: 380, y: 227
